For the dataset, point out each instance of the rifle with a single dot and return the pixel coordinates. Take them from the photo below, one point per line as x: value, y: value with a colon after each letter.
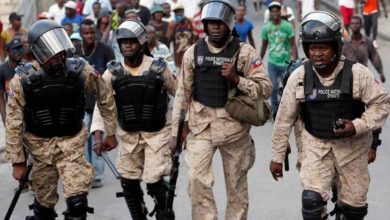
x: 175, y: 165
x: 18, y: 192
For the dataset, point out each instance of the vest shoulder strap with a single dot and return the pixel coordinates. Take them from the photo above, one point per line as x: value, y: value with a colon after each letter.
x: 75, y: 66
x: 199, y: 50
x: 28, y: 74
x: 116, y: 68
x: 308, y: 78
x: 346, y: 82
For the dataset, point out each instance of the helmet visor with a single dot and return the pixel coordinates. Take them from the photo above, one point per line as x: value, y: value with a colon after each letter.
x: 219, y: 11
x: 51, y: 43
x: 330, y: 20
x: 136, y: 28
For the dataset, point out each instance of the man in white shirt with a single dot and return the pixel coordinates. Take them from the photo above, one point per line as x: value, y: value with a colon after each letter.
x: 88, y: 6
x: 57, y: 11
x: 304, y: 7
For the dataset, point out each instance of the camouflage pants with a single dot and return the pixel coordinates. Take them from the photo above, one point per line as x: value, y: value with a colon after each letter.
x: 237, y: 158
x: 76, y: 177
x: 318, y: 174
x: 143, y: 163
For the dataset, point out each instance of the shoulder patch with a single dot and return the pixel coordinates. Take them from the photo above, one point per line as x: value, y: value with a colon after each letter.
x: 256, y: 63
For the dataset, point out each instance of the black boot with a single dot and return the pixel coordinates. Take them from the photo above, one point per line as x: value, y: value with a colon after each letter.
x: 134, y: 198
x: 158, y: 192
x: 41, y: 212
x: 77, y: 208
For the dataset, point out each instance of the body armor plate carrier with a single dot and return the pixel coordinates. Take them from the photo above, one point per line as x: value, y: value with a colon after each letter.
x: 141, y: 101
x: 54, y: 103
x: 210, y: 87
x: 325, y: 104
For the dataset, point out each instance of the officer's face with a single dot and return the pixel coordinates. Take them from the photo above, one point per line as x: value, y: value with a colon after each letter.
x: 88, y: 34
x: 321, y: 54
x: 130, y: 47
x: 217, y: 30
x: 54, y: 64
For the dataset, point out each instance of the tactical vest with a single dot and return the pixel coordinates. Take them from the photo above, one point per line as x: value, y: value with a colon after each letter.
x: 210, y: 87
x: 141, y: 101
x: 325, y: 104
x: 54, y: 103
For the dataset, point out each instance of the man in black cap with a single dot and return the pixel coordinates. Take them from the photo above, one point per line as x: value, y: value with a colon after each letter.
x: 15, y: 52
x: 15, y: 21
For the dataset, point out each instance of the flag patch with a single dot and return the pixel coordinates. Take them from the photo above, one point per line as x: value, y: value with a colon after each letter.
x: 256, y: 63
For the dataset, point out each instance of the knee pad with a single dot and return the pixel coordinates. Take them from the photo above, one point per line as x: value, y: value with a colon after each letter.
x: 131, y: 186
x: 352, y: 212
x: 77, y: 207
x: 312, y: 205
x: 41, y: 212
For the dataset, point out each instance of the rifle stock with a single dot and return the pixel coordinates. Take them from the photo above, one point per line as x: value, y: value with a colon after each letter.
x: 175, y: 164
x: 18, y: 192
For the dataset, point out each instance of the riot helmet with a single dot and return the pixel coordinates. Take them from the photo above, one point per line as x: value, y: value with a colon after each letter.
x: 132, y: 29
x: 321, y: 27
x: 218, y: 10
x: 47, y: 38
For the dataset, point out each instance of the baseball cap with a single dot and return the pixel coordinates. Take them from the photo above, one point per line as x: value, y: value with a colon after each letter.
x: 15, y: 42
x: 274, y: 5
x: 178, y: 6
x: 14, y: 16
x: 75, y: 36
x: 70, y: 4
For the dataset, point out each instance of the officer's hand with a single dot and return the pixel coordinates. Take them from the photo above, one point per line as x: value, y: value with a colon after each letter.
x: 173, y: 144
x: 229, y: 72
x: 371, y: 155
x: 110, y: 143
x: 347, y: 131
x: 276, y: 170
x: 383, y: 78
x: 19, y: 169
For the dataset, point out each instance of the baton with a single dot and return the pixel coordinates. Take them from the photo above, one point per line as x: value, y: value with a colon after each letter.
x: 18, y: 192
x: 111, y: 165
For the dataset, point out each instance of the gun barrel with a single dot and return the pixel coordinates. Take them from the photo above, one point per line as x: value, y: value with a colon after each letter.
x: 175, y: 164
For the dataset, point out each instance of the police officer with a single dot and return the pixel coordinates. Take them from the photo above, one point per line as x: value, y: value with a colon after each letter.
x: 209, y: 69
x: 140, y: 86
x: 46, y: 110
x: 340, y: 104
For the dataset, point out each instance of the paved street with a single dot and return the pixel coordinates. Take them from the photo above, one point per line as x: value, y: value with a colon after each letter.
x: 268, y: 199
